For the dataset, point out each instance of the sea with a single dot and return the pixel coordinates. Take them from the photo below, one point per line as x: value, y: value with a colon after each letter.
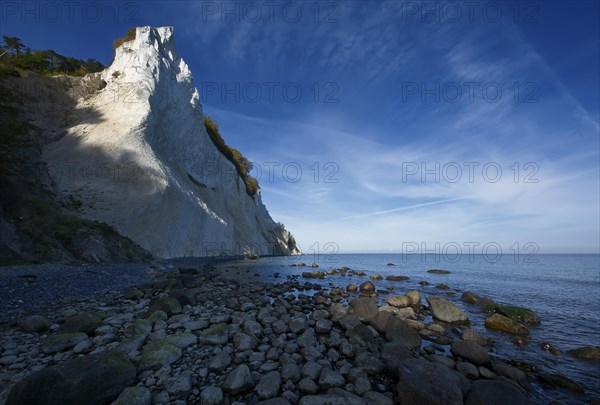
x: 562, y: 289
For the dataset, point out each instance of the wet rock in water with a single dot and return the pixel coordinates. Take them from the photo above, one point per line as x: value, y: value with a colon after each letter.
x: 367, y: 287
x: 34, y: 324
x: 376, y: 277
x: 442, y: 287
x: 423, y: 283
x: 550, y: 348
x: 513, y: 373
x: 517, y: 314
x: 422, y: 382
x: 504, y: 324
x: 313, y: 274
x: 398, y: 301
x: 134, y: 396
x: 470, y: 351
x: 560, y: 381
x: 470, y: 297
x: 438, y: 271
x: 446, y: 311
x: 363, y: 308
x: 390, y: 264
x: 217, y: 334
x: 397, y: 278
x: 159, y: 354
x: 269, y: 385
x: 85, y: 322
x: 239, y: 380
x: 470, y: 335
x: 314, y: 265
x: 414, y: 297
x: 495, y: 392
x: 351, y: 288
x: 586, y: 352
x: 63, y: 341
x: 398, y: 330
x: 92, y: 380
x: 520, y: 341
x: 211, y: 396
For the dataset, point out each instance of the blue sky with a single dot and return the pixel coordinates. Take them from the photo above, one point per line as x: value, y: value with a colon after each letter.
x: 409, y: 110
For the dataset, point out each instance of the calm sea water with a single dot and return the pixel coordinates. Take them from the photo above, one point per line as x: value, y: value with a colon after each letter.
x: 564, y: 290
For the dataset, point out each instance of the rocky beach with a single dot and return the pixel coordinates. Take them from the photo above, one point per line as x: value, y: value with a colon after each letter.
x: 205, y: 334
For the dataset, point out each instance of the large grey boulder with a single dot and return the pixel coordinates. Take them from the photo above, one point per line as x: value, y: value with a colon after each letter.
x: 92, y: 380
x: 470, y: 351
x: 424, y: 383
x: 363, y: 308
x: 239, y: 380
x: 397, y: 329
x: 446, y: 311
x: 495, y: 392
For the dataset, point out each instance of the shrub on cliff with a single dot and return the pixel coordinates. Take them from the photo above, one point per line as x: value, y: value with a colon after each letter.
x: 241, y: 163
x: 129, y: 36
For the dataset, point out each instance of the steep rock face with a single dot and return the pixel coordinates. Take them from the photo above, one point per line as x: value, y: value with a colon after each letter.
x: 139, y: 158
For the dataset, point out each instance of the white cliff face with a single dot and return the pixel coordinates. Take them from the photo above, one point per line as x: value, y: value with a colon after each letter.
x: 138, y: 157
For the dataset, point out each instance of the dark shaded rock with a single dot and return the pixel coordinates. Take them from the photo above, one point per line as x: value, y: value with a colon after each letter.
x: 370, y: 363
x: 560, y: 381
x: 184, y: 297
x: 363, y: 308
x: 63, y: 341
x: 495, y: 392
x: 586, y: 352
x: 438, y: 271
x: 393, y: 353
x: 269, y: 385
x: 470, y: 351
x: 92, y: 380
x: 425, y: 383
x: 322, y: 400
x: 239, y: 380
x: 398, y: 330
x: 134, y: 396
x: 470, y: 297
x: 397, y: 278
x: 85, y: 322
x: 550, y: 348
x: 159, y: 354
x: 34, y: 324
x: 167, y: 304
x: 379, y: 321
x: 330, y: 378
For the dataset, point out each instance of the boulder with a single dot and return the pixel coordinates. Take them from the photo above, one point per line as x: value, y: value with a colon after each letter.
x: 92, y: 380
x: 367, y: 287
x: 495, y: 392
x: 167, y: 304
x: 239, y: 380
x: 370, y: 363
x: 376, y: 398
x: 398, y: 330
x: 63, y: 341
x: 379, y: 321
x: 517, y: 314
x: 446, y: 311
x: 504, y: 324
x: 34, y: 324
x: 363, y: 308
x: 402, y: 313
x: 134, y: 396
x: 586, y: 352
x: 414, y: 297
x: 398, y: 301
x: 85, y: 322
x: 560, y: 381
x: 182, y: 339
x: 376, y: 277
x: 211, y: 396
x: 470, y: 351
x: 397, y: 278
x: 269, y: 385
x: 217, y: 334
x: 470, y: 297
x: 330, y: 378
x: 159, y: 354
x: 351, y: 288
x: 424, y: 383
x: 472, y: 336
x: 438, y: 271
x: 322, y: 400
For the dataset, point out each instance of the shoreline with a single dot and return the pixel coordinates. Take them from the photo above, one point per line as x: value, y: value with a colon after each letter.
x: 273, y: 306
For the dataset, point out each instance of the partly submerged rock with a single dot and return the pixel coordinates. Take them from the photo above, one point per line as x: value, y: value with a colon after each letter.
x: 504, y: 324
x: 446, y: 311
